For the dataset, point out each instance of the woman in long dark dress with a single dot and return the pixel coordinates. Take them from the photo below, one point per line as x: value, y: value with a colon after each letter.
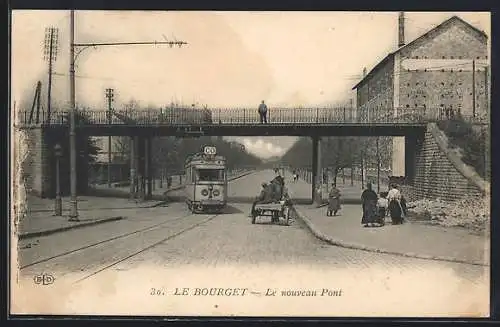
x: 396, y: 209
x: 333, y: 201
x: 369, y: 203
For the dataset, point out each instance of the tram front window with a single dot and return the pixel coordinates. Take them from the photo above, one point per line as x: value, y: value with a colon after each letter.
x: 210, y: 175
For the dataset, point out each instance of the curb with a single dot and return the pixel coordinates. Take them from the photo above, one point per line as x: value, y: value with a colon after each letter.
x: 316, y: 232
x: 63, y: 229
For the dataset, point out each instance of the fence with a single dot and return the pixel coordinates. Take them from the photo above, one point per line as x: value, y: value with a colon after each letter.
x: 231, y: 116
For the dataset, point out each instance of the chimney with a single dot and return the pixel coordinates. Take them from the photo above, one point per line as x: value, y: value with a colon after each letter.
x: 364, y: 72
x: 401, y: 25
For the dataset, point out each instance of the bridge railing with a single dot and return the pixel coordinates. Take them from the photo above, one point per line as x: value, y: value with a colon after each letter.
x: 247, y: 116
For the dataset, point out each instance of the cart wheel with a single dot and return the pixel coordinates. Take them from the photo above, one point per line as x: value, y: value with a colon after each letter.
x: 253, y: 219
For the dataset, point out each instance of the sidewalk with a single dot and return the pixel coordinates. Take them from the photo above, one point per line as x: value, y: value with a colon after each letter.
x: 39, y: 217
x: 410, y: 239
x: 349, y: 193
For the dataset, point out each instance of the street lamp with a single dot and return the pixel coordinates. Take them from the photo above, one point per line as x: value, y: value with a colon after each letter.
x: 58, y: 203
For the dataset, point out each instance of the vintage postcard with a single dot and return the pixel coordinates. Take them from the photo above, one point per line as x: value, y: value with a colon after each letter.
x: 276, y: 164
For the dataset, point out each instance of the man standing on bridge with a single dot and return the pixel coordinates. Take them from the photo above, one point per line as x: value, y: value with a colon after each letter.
x: 263, y: 112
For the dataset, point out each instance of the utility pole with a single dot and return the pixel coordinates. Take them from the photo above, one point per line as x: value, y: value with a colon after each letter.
x: 73, y: 213
x: 50, y: 54
x: 473, y: 88
x: 109, y: 96
x: 81, y: 47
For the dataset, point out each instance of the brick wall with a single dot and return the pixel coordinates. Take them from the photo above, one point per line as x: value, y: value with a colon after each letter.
x: 377, y: 90
x: 436, y: 176
x: 436, y: 71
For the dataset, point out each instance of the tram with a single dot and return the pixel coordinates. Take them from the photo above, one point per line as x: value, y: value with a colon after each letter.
x: 206, y: 181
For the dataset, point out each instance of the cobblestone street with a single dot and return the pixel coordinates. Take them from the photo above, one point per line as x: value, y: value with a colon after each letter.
x: 169, y: 240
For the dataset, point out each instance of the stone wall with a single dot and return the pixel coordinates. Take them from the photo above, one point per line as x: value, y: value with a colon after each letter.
x: 436, y: 175
x: 36, y: 172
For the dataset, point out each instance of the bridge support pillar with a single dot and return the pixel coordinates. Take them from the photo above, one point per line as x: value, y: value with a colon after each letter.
x: 141, y: 165
x: 147, y: 167
x: 317, y: 196
x: 413, y: 145
x: 138, y: 167
x: 133, y: 166
x: 398, y: 156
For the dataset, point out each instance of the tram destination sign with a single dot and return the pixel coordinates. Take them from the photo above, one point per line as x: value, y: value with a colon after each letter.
x: 210, y: 150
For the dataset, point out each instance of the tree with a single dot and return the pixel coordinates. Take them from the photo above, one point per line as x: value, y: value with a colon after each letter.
x: 87, y: 151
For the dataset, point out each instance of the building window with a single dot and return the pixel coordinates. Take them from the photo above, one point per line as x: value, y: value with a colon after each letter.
x: 416, y: 83
x: 444, y: 57
x: 459, y: 70
x: 442, y: 83
x: 442, y: 70
x: 486, y: 57
x: 477, y: 57
x: 416, y: 57
x: 459, y: 57
x: 442, y: 105
x: 425, y: 69
x: 407, y: 106
x: 451, y: 57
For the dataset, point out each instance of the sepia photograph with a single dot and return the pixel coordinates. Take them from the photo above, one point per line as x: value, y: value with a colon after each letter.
x: 250, y: 163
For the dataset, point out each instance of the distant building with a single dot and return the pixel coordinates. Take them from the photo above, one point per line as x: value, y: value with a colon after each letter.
x: 432, y: 72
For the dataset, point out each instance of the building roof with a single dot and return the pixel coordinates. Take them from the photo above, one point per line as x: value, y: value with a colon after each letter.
x: 441, y: 26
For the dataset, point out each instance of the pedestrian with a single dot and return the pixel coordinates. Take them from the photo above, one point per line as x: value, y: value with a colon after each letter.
x: 265, y: 196
x: 382, y: 205
x: 333, y: 201
x: 369, y: 203
x: 395, y: 207
x: 263, y: 112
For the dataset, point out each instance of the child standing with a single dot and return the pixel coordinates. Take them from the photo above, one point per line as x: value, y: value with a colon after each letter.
x: 382, y: 205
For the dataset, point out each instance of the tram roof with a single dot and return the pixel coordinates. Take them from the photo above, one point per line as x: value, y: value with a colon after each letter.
x: 204, y: 159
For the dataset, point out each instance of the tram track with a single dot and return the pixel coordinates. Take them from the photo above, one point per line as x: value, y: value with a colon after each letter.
x: 146, y: 248
x: 111, y: 239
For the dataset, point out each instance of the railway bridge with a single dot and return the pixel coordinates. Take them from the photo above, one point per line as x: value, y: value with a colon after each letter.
x: 142, y: 126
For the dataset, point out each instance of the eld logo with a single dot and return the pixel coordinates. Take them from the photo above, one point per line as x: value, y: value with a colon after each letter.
x: 43, y: 279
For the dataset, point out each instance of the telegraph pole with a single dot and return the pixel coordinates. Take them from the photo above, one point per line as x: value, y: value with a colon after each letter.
x: 73, y: 214
x: 50, y: 54
x: 81, y: 47
x: 109, y: 96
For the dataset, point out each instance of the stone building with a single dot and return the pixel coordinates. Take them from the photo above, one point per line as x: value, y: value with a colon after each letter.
x: 433, y: 73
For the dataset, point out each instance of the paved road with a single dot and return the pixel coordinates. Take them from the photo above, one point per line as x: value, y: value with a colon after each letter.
x: 116, y: 266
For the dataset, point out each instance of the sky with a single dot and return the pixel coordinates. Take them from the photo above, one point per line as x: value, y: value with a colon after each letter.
x: 233, y: 59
